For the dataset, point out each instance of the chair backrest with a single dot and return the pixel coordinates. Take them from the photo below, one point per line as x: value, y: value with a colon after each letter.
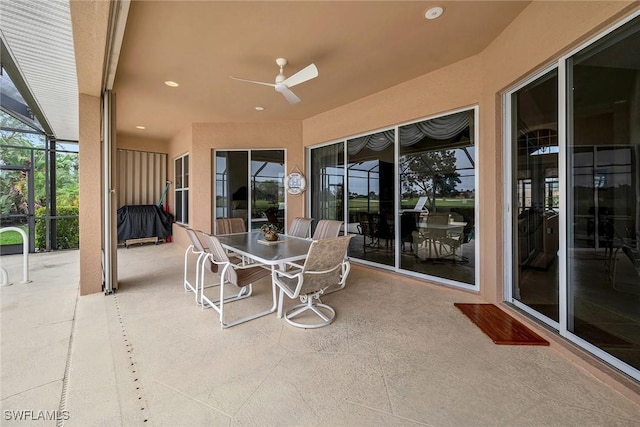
x: 300, y: 227
x: 219, y: 256
x: 195, y: 241
x: 634, y: 256
x: 240, y: 277
x: 327, y: 228
x: 323, y: 265
x: 408, y: 224
x: 437, y: 219
x: 230, y: 225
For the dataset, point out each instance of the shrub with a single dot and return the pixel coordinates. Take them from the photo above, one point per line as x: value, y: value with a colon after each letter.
x: 67, y: 232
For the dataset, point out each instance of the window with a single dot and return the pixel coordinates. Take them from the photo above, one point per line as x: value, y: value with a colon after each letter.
x: 253, y: 189
x: 181, y: 189
x: 399, y: 181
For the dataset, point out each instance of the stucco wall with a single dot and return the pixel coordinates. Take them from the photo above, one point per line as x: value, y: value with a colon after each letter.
x: 130, y: 142
x: 90, y: 185
x: 542, y: 32
x: 209, y: 136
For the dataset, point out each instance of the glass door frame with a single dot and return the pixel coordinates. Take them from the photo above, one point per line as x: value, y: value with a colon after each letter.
x: 398, y: 247
x: 508, y: 168
x: 249, y: 152
x: 564, y: 134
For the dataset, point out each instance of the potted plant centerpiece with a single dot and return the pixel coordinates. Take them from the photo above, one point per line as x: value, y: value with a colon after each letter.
x: 270, y: 232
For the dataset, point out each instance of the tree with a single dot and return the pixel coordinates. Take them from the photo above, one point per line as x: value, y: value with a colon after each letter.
x: 18, y: 144
x: 432, y: 173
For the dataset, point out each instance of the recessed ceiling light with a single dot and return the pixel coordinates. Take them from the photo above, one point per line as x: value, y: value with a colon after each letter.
x: 259, y: 108
x: 434, y: 12
x: 171, y: 84
x: 141, y: 127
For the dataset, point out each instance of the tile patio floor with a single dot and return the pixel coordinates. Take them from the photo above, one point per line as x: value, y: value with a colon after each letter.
x: 398, y: 354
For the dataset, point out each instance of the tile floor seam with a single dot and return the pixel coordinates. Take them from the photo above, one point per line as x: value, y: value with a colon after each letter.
x: 62, y: 406
x: 30, y: 389
x: 619, y: 417
x: 39, y: 325
x: 388, y: 413
x: 259, y: 385
x: 193, y: 399
x: 384, y: 377
x: 178, y: 331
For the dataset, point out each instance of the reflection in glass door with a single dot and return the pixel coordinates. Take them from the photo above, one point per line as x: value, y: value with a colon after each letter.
x: 251, y: 189
x: 603, y: 146
x: 535, y: 195
x: 370, y: 183
x: 437, y: 197
x: 592, y: 183
x: 327, y: 182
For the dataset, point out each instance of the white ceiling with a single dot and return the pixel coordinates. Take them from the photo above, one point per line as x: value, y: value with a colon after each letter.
x: 359, y: 47
x: 39, y: 37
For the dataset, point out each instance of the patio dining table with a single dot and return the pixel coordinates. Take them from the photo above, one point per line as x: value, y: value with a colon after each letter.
x: 276, y: 254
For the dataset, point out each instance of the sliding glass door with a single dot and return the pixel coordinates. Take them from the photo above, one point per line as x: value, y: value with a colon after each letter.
x: 574, y: 191
x: 249, y: 184
x: 370, y: 184
x: 437, y: 197
x: 327, y: 184
x: 535, y: 195
x: 603, y: 194
x: 409, y: 193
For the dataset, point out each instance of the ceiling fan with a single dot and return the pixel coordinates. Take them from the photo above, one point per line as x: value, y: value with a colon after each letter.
x: 283, y: 83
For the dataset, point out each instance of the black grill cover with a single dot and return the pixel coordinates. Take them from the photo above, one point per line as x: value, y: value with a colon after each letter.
x: 136, y: 222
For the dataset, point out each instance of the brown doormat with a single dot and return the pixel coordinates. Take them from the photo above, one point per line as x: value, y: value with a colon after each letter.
x: 499, y: 326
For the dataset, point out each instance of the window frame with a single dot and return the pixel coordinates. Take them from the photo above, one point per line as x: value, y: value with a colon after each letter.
x: 180, y: 190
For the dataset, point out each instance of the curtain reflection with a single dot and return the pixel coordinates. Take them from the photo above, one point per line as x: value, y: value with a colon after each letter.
x: 437, y: 197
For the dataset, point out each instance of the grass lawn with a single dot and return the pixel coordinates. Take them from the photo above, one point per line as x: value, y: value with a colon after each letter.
x: 361, y: 204
x: 12, y: 237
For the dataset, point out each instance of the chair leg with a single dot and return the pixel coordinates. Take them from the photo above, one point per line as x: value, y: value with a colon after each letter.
x: 244, y: 292
x: 188, y: 285
x: 308, y: 304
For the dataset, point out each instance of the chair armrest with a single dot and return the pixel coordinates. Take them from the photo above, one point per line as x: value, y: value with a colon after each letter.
x: 242, y: 265
x: 294, y: 265
x: 291, y: 275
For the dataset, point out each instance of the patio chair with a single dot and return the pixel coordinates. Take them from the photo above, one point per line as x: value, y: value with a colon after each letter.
x: 300, y: 227
x: 241, y: 276
x: 230, y: 225
x: 326, y: 265
x: 632, y: 253
x: 198, y: 249
x: 408, y: 224
x: 326, y: 229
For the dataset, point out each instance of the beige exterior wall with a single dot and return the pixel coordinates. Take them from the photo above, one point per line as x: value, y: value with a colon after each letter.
x: 200, y: 139
x: 130, y: 142
x: 90, y: 184
x: 540, y: 34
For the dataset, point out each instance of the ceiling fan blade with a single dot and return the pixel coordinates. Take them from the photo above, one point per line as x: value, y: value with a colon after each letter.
x: 253, y: 81
x: 307, y: 73
x: 291, y: 97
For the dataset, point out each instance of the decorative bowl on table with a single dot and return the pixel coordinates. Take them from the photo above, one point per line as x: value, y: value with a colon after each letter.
x: 270, y: 232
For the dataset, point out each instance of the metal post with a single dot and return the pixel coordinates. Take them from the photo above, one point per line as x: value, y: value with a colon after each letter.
x: 25, y: 257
